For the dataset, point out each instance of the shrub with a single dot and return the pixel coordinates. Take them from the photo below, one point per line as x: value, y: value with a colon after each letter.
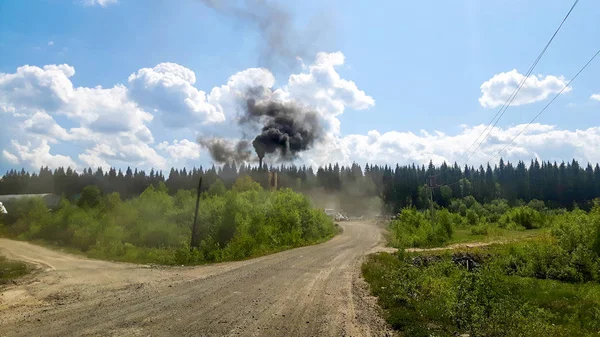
x: 156, y: 227
x: 413, y: 229
x: 472, y: 217
x: 526, y: 217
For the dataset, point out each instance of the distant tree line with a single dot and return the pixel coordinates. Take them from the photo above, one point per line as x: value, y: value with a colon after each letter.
x: 558, y: 185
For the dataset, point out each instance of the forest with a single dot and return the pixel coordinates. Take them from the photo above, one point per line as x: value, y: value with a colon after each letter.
x: 561, y: 185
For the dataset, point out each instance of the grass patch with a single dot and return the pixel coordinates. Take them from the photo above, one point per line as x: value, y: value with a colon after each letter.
x: 11, y: 270
x: 493, y: 233
x: 444, y: 299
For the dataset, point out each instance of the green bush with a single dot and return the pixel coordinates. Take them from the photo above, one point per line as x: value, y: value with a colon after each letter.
x: 155, y: 227
x: 444, y: 299
x: 472, y: 217
x: 526, y: 216
x: 413, y: 229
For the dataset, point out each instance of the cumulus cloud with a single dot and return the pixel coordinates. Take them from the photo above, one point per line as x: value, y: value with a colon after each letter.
x: 11, y: 158
x: 595, y: 97
x: 36, y: 155
x: 93, y: 160
x: 168, y: 89
x: 31, y: 88
x: 123, y: 148
x: 44, y: 125
x: 228, y: 97
x: 183, y: 149
x: 104, y: 117
x: 322, y: 88
x: 497, y: 90
x: 543, y: 141
x: 51, y: 43
x: 101, y: 3
x: 113, y: 125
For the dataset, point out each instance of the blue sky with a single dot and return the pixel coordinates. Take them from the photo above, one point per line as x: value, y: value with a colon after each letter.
x: 419, y: 65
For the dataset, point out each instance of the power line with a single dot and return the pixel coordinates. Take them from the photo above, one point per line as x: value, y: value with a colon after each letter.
x: 538, y: 114
x: 512, y: 96
x: 547, y: 105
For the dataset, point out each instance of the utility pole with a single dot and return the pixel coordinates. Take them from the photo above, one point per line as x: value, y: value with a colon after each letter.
x: 431, y: 184
x: 194, y: 242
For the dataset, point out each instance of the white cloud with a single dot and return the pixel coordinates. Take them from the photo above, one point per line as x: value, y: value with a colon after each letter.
x: 496, y: 91
x: 101, y: 3
x: 183, y: 149
x: 123, y: 148
x: 11, y: 158
x: 31, y: 88
x: 106, y: 110
x: 43, y: 124
x: 595, y: 97
x: 113, y: 126
x: 228, y: 97
x: 51, y: 43
x: 538, y: 141
x: 103, y: 116
x: 323, y: 89
x: 168, y: 90
x: 37, y: 155
x: 94, y: 161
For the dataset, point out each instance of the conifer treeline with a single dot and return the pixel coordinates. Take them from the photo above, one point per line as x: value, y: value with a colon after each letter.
x: 559, y: 185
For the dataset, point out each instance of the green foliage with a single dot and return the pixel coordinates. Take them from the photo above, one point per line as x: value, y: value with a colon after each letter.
x: 217, y: 188
x: 90, y: 196
x: 413, y: 229
x: 245, y: 183
x: 557, y: 255
x: 472, y: 217
x: 442, y: 298
x: 527, y: 217
x: 538, y: 205
x: 156, y: 227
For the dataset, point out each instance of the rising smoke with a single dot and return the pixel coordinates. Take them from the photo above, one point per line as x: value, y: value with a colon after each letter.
x: 282, y: 42
x: 222, y: 151
x: 287, y: 128
x: 281, y: 129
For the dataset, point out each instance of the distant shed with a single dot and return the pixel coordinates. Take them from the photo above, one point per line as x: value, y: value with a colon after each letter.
x: 52, y: 200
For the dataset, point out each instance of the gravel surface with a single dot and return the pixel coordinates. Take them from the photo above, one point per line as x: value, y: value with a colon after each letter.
x: 308, y: 291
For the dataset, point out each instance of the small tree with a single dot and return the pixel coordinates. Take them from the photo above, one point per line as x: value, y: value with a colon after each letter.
x: 245, y: 183
x: 90, y: 197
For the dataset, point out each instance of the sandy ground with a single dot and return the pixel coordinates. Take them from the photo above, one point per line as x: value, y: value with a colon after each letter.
x: 309, y: 291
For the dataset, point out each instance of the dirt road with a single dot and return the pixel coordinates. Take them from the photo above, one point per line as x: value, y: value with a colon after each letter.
x: 309, y: 291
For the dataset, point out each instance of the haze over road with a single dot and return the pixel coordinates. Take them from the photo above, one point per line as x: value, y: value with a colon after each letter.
x: 308, y: 291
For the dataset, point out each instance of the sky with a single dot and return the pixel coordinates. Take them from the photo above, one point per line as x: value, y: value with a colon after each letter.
x: 118, y: 83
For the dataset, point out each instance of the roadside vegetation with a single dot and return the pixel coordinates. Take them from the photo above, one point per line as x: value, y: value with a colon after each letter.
x: 543, y: 279
x: 155, y: 227
x: 11, y: 270
x: 466, y: 220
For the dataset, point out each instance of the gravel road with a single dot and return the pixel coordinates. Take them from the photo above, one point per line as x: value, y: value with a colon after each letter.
x: 308, y: 291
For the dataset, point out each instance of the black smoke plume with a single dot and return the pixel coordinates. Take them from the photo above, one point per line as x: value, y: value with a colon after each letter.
x: 222, y: 151
x: 287, y: 128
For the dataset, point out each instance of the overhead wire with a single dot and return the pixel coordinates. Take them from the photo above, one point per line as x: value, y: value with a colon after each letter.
x: 512, y: 96
x: 547, y: 105
x: 539, y: 113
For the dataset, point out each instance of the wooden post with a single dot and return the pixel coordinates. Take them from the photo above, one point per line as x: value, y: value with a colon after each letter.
x: 194, y: 242
x: 431, y: 187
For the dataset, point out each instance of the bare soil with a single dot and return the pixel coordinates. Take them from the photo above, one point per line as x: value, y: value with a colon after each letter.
x: 308, y: 291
